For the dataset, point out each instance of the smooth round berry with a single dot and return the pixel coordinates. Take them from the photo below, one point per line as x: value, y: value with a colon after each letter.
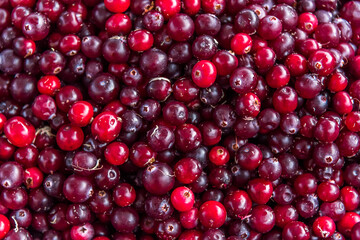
x: 212, y: 214
x: 204, y: 74
x: 182, y: 198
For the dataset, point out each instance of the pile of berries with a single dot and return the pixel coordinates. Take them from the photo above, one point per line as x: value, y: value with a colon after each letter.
x: 179, y: 119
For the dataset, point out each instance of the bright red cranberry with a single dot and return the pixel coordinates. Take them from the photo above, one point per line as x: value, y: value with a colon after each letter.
x: 116, y: 153
x: 241, y: 43
x: 219, y: 155
x: 260, y: 190
x: 33, y: 177
x: 69, y: 137
x: 352, y: 121
x: 49, y: 85
x: 124, y: 194
x: 140, y: 40
x: 82, y: 232
x: 321, y: 62
x: 216, y: 7
x: 342, y: 102
x: 182, y: 198
x: 278, y: 76
x: 19, y: 131
x: 345, y: 225
x: 106, y: 126
x: 4, y: 226
x: 81, y: 113
x: 168, y: 8
x: 117, y: 6
x: 212, y: 214
x: 350, y: 197
x: 204, y: 74
x: 307, y: 22
x: 2, y: 121
x: 324, y: 227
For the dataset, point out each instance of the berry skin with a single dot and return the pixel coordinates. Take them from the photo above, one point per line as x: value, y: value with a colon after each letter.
x: 307, y: 22
x: 2, y: 121
x: 33, y: 177
x: 140, y: 40
x: 49, y: 85
x: 324, y: 227
x: 19, y: 131
x: 219, y: 155
x: 212, y: 214
x: 116, y: 153
x: 241, y: 43
x: 117, y: 6
x: 4, y: 226
x: 182, y: 198
x: 204, y: 74
x: 106, y: 126
x: 352, y: 121
x: 69, y: 137
x: 81, y: 113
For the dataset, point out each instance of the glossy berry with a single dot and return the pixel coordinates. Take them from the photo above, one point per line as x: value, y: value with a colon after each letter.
x: 204, y: 74
x: 106, y: 126
x: 49, y: 85
x: 241, y: 43
x: 308, y: 22
x: 19, y: 131
x: 140, y: 40
x: 182, y: 198
x: 33, y: 177
x: 116, y: 153
x: 212, y: 214
x: 4, y: 226
x: 69, y: 137
x: 82, y: 232
x: 124, y: 194
x: 81, y: 113
x: 219, y: 155
x: 44, y: 107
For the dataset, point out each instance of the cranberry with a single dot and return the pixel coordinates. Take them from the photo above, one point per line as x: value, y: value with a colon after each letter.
x: 106, y: 126
x: 182, y: 198
x: 117, y: 6
x: 19, y: 131
x: 204, y: 73
x: 69, y: 137
x: 212, y: 214
x: 296, y: 230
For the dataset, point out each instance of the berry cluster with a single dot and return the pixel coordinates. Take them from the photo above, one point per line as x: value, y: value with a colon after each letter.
x: 179, y: 119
